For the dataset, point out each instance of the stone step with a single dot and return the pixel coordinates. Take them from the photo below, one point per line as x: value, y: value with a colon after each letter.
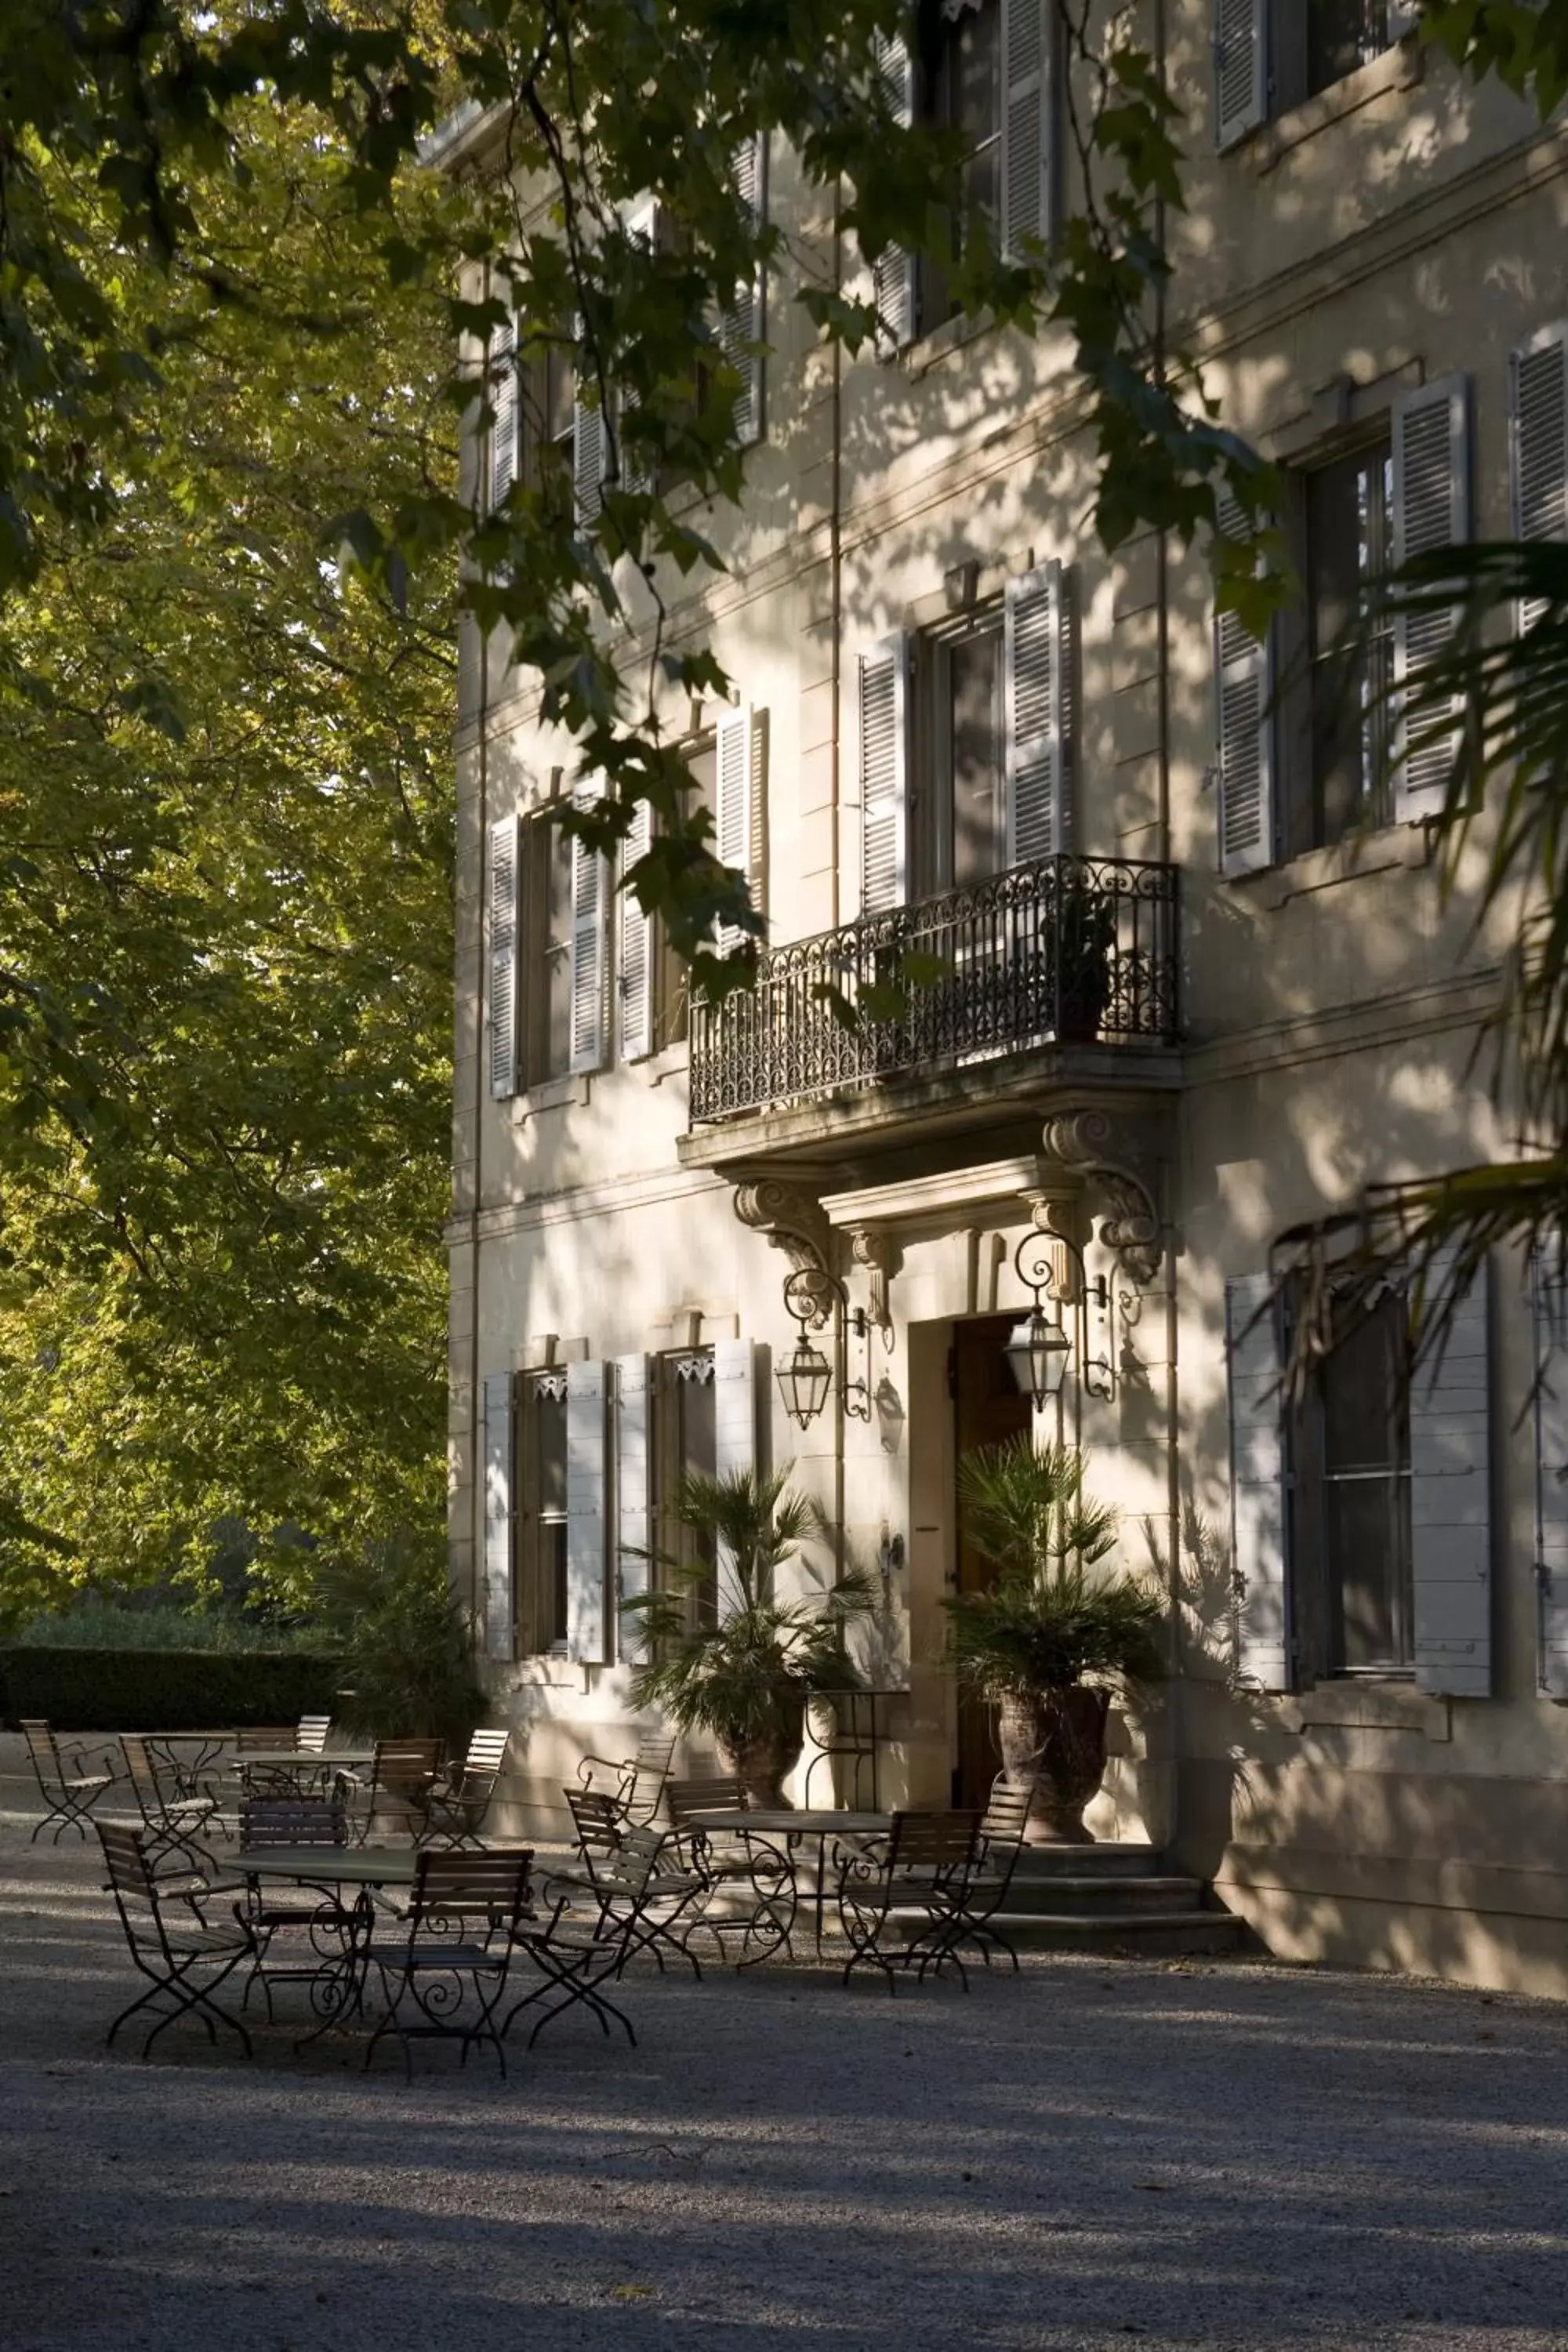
x: 1104, y: 1860
x: 1159, y: 1934
x: 1088, y: 1897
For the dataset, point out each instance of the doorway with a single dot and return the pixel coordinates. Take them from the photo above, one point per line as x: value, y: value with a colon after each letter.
x: 987, y: 1409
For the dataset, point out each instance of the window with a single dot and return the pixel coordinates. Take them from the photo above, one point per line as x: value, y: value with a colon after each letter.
x: 1270, y: 55
x: 541, y: 1588
x: 546, y: 954
x: 960, y: 85
x: 1351, y: 1534
x: 958, y: 804
x: 1342, y: 34
x: 686, y: 1441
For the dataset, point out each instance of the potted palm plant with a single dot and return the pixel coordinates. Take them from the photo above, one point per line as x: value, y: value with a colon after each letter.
x: 1085, y: 935
x: 1058, y: 1633
x: 724, y: 1655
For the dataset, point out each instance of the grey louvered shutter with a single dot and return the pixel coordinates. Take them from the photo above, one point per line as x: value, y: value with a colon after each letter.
x: 1028, y: 157
x: 742, y: 325
x: 732, y: 756
x: 1036, y: 651
x: 587, y: 954
x: 499, y: 1610
x: 1244, y: 731
x: 1240, y: 68
x: 636, y: 473
x: 505, y: 898
x: 586, y: 1424
x: 1450, y: 1507
x: 1263, y: 1646
x: 739, y: 1381
x: 634, y: 981
x: 894, y: 276
x: 1431, y: 511
x: 504, y: 399
x: 633, y: 1500
x: 884, y: 776
x: 1540, y: 445
x: 1549, y: 1303
x: 588, y: 452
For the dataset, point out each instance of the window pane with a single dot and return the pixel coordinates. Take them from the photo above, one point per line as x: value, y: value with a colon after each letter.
x: 552, y: 1453
x: 1348, y: 508
x: 697, y: 1448
x: 1366, y: 1488
x: 1341, y: 36
x: 1364, y: 1529
x: 553, y: 1548
x: 975, y: 670
x: 1362, y: 1416
x: 560, y: 385
x: 558, y: 956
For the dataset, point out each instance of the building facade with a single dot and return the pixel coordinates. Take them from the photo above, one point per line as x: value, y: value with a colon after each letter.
x: 1197, y: 986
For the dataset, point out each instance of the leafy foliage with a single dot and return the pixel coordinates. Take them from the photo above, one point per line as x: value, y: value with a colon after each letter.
x: 407, y: 1648
x: 748, y: 1670
x: 1054, y: 1616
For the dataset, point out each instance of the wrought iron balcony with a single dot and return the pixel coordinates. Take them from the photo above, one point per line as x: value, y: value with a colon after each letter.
x: 1071, y: 950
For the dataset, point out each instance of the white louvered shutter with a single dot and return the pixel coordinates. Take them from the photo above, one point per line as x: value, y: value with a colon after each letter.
x: 1263, y: 1644
x: 1450, y: 1507
x: 1028, y: 33
x: 636, y: 473
x: 1240, y: 68
x: 732, y: 751
x: 742, y: 325
x: 1549, y: 1303
x: 634, y: 981
x: 884, y: 776
x: 586, y: 1425
x: 1244, y: 731
x: 740, y: 1381
x: 500, y: 1612
x: 1431, y: 511
x: 1035, y: 650
x: 1540, y: 442
x: 505, y: 894
x: 587, y: 955
x: 894, y: 275
x: 634, y: 1513
x: 504, y: 399
x: 588, y: 452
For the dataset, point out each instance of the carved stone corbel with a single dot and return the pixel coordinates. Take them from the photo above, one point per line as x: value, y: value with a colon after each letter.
x: 795, y: 1222
x: 873, y: 1247
x: 1098, y: 1146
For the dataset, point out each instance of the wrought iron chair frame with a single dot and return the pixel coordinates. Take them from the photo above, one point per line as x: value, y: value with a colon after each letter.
x: 611, y: 1853
x: 1002, y: 1833
x: 170, y: 1960
x: 461, y: 1796
x: 402, y: 1772
x: 639, y: 1780
x: 451, y: 1889
x: 170, y: 1823
x: 70, y: 1802
x: 921, y: 1869
x: 335, y: 1973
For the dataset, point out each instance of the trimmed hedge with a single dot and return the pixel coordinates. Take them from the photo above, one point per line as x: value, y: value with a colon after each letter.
x: 164, y: 1690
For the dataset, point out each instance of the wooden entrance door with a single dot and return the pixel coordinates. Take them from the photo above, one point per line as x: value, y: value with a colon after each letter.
x: 987, y: 1410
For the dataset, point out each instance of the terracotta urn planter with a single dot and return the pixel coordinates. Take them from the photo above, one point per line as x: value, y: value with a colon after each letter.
x: 763, y: 1764
x: 1053, y: 1745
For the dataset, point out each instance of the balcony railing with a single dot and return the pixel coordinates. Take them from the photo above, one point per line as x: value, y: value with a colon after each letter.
x: 1072, y: 950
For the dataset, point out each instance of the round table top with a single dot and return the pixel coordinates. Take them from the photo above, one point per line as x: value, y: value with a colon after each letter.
x: 332, y: 1865
x: 797, y: 1821
x: 280, y: 1758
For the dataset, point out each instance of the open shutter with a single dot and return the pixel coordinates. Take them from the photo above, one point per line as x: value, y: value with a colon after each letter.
x: 732, y: 758
x: 635, y: 978
x: 587, y: 450
x: 739, y: 1376
x: 1431, y: 511
x: 1244, y: 731
x: 504, y: 400
x: 1258, y: 1483
x: 1035, y: 649
x: 634, y: 1516
x: 1548, y: 1302
x: 1450, y: 1507
x: 1240, y: 68
x: 506, y: 846
x: 499, y: 1602
x: 884, y: 776
x: 585, y: 1513
x: 637, y: 474
x: 1028, y: 31
x: 587, y: 956
x: 894, y: 275
x: 742, y: 325
x: 1540, y: 445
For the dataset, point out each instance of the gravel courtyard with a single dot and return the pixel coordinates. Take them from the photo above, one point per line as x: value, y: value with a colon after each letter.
x: 1178, y: 2155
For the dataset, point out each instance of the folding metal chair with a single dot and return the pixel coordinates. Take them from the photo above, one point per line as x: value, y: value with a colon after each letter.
x: 635, y: 1783
x: 901, y: 1899
x: 330, y: 1963
x: 460, y: 1797
x: 185, y: 1959
x: 742, y: 1863
x: 172, y: 1823
x: 68, y: 1793
x: 1001, y: 1829
x: 463, y: 1925
x: 311, y: 1734
x: 401, y: 1774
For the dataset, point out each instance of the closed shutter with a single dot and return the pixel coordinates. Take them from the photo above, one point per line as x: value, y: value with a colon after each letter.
x: 1036, y: 653
x: 894, y: 275
x: 1540, y: 439
x: 585, y: 1513
x: 634, y: 978
x: 884, y: 776
x: 1450, y: 1507
x: 1263, y: 1643
x: 587, y: 956
x: 505, y: 847
x: 1240, y: 68
x: 742, y: 327
x: 1244, y: 731
x: 588, y: 439
x: 499, y: 1610
x: 740, y: 1380
x: 634, y: 1516
x: 1431, y: 511
x: 505, y: 401
x: 1549, y: 1301
x: 1028, y: 32
x: 732, y: 754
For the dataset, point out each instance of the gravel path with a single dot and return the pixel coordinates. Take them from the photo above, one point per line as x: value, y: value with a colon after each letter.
x: 1180, y: 2155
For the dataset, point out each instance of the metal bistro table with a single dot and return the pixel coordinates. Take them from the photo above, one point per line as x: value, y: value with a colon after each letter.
x: 299, y: 1766
x: 793, y: 1827
x: 338, y: 1985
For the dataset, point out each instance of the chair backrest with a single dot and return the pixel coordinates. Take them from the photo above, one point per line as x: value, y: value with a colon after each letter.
x: 311, y: 1735
x: 131, y: 1877
x: 450, y: 1887
x: 292, y: 1820
x: 264, y: 1738
x: 598, y: 1822
x: 717, y: 1792
x: 44, y: 1749
x: 933, y: 1841
x: 142, y: 1772
x: 406, y: 1763
x: 487, y: 1754
x: 1006, y: 1816
x: 654, y: 1759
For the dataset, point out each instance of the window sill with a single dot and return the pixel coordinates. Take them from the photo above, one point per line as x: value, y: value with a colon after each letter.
x: 551, y: 1094
x: 669, y: 1062
x: 1391, y: 850
x: 1366, y: 1702
x: 1399, y: 68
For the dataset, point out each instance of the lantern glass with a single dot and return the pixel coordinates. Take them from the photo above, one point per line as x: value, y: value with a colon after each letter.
x: 1037, y: 1353
x: 804, y: 1382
